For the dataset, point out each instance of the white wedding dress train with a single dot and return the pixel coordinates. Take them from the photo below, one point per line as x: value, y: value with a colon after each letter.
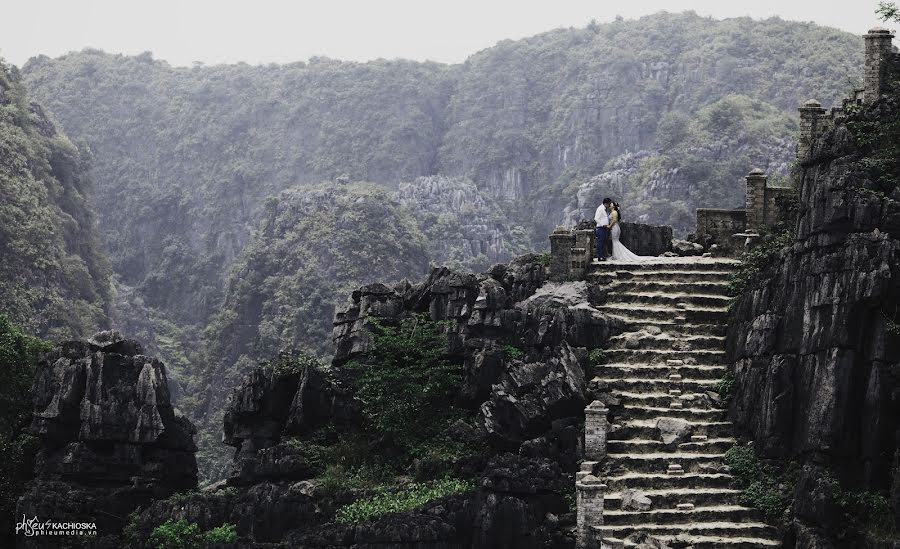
x: 620, y: 252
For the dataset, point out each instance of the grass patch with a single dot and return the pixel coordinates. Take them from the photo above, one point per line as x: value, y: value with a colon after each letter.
x: 399, y: 500
x: 764, y: 488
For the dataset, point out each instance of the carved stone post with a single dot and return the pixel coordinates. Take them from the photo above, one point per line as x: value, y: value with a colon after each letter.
x: 756, y: 199
x: 589, y: 492
x: 878, y: 49
x: 561, y: 242
x: 595, y: 427
x: 811, y: 114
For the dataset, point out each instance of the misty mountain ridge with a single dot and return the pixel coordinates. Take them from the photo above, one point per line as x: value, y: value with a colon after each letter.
x: 665, y: 113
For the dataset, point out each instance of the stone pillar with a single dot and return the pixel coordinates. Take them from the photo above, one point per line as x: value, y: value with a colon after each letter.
x: 589, y: 492
x: 878, y: 50
x: 595, y: 427
x: 561, y: 242
x: 756, y: 199
x: 811, y: 114
x: 585, y: 238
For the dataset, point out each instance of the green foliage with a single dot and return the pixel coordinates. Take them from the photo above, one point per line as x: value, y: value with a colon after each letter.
x: 726, y: 385
x: 182, y: 534
x: 408, y: 387
x: 53, y: 279
x: 295, y: 363
x: 764, y: 488
x: 543, y: 259
x: 888, y: 11
x: 755, y: 260
x: 175, y: 534
x: 597, y: 356
x: 313, y: 247
x: 408, y: 497
x: 512, y: 353
x: 227, y: 533
x: 863, y: 511
x: 19, y: 354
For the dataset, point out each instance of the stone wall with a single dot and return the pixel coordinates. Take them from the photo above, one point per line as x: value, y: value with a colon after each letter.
x: 779, y: 202
x: 716, y: 226
x: 813, y: 350
x: 644, y: 239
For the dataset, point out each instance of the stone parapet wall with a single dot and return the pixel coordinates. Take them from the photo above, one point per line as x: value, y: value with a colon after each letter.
x: 716, y: 226
x: 644, y: 239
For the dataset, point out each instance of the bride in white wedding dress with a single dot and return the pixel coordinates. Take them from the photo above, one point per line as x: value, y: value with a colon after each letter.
x: 619, y: 251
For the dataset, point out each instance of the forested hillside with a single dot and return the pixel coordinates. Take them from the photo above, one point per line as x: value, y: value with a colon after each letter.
x: 54, y: 281
x: 483, y: 158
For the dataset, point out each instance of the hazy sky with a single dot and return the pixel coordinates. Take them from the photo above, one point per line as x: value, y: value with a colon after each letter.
x: 262, y: 31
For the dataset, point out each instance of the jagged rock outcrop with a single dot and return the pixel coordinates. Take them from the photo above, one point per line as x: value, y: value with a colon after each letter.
x: 522, y: 346
x: 110, y: 438
x: 814, y: 346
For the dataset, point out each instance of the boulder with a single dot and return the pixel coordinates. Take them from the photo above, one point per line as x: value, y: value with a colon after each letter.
x: 686, y: 248
x: 636, y: 500
x: 673, y: 431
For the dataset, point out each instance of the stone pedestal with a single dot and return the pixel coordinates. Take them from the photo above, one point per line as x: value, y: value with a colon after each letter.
x: 561, y: 242
x: 756, y: 199
x: 595, y: 427
x: 589, y: 491
x: 878, y: 49
x: 811, y: 118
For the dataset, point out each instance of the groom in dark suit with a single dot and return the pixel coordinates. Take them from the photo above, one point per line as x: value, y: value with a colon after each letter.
x: 601, y: 216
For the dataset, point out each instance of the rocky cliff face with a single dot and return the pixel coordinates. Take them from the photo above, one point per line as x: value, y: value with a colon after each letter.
x: 110, y: 439
x: 816, y: 350
x: 522, y: 346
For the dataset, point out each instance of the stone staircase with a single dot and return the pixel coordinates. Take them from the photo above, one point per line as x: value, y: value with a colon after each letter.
x: 662, y: 367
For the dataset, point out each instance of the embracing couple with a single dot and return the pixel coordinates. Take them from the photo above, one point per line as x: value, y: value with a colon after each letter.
x: 608, y: 219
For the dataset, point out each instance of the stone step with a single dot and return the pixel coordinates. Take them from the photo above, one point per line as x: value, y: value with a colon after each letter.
x: 674, y: 328
x: 681, y: 300
x: 642, y: 385
x: 697, y: 414
x: 717, y: 542
x: 658, y: 462
x: 650, y: 446
x: 647, y: 284
x: 708, y: 529
x: 661, y: 275
x: 663, y: 498
x: 645, y: 429
x: 651, y: 356
x: 662, y: 400
x: 719, y: 513
x: 609, y: 372
x: 692, y: 264
x: 665, y: 342
x: 650, y: 315
x: 662, y: 481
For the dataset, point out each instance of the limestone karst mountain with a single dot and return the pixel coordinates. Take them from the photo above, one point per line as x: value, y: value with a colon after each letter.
x: 186, y: 157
